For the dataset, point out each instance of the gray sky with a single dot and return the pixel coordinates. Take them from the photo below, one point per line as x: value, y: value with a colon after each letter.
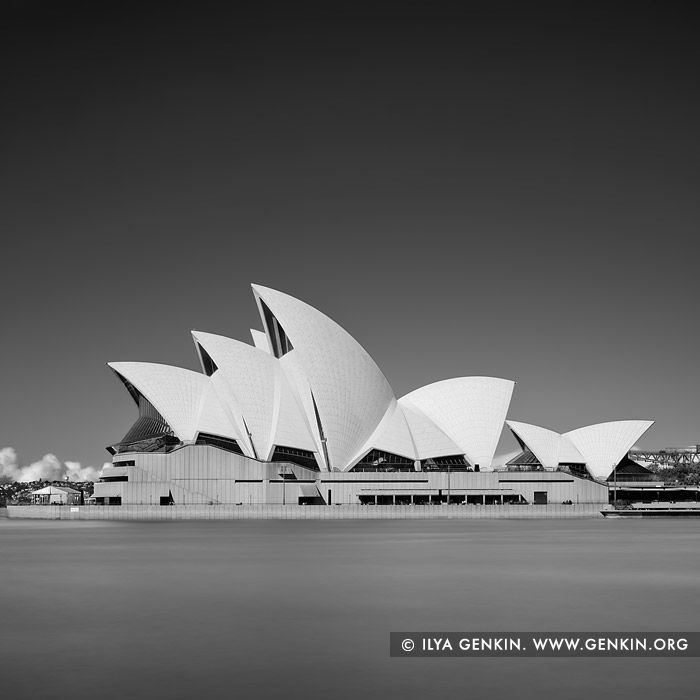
x: 502, y: 192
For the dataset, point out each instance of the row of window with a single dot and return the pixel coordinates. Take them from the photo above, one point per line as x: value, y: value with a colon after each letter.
x: 151, y: 433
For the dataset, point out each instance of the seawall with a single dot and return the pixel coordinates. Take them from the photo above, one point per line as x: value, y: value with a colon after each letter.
x: 296, y: 512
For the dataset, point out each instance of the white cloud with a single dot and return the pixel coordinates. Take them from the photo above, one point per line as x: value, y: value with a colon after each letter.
x: 8, y: 462
x: 49, y: 468
x: 76, y: 472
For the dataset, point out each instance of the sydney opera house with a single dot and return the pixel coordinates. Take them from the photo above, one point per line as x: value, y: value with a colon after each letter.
x: 303, y: 415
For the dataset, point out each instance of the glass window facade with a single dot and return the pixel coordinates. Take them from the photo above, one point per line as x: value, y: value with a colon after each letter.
x: 281, y: 344
x: 208, y: 365
x: 150, y: 432
x: 226, y: 444
x: 303, y: 458
x: 379, y: 461
x: 450, y: 463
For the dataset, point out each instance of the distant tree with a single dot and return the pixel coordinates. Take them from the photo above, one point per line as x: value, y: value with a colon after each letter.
x: 682, y: 475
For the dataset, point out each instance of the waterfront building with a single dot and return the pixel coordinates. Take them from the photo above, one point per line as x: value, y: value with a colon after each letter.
x: 56, y: 496
x: 304, y: 415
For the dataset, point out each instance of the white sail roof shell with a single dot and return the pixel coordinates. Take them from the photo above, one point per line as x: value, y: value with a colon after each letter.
x: 214, y: 419
x: 291, y: 426
x: 568, y: 454
x: 246, y: 385
x: 350, y: 391
x: 184, y: 398
x: 603, y: 445
x: 429, y: 440
x: 260, y: 340
x: 392, y: 435
x: 549, y: 447
x: 470, y: 410
x: 543, y: 443
x: 600, y: 447
x: 251, y: 383
x: 301, y: 390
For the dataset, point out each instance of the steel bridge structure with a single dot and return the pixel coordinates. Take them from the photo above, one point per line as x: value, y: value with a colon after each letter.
x: 669, y: 456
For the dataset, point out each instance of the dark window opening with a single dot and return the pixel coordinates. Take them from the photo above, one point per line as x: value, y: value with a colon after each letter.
x: 540, y: 498
x: 451, y: 463
x: 303, y: 458
x: 208, y: 365
x: 226, y: 444
x: 108, y: 500
x: 379, y: 461
x: 281, y: 344
x: 105, y: 479
x: 127, y: 463
x: 575, y: 468
x: 311, y: 501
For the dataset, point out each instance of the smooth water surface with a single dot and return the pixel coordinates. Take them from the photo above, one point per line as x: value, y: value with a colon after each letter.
x: 265, y: 609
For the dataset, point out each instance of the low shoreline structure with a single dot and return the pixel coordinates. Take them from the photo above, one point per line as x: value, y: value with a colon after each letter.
x: 297, y: 512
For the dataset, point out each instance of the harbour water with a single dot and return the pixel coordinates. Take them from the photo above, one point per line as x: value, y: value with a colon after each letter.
x: 263, y: 609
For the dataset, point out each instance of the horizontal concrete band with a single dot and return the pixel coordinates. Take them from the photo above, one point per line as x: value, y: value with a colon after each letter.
x: 296, y: 512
